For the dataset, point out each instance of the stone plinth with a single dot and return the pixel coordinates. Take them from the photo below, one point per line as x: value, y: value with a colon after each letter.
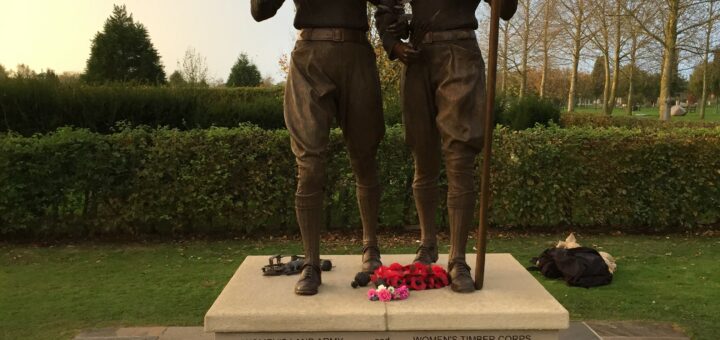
x: 511, y: 306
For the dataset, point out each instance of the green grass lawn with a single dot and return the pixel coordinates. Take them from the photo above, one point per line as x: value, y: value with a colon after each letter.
x: 711, y: 114
x: 52, y: 292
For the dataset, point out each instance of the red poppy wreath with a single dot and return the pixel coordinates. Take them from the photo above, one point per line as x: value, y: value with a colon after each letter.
x: 416, y: 276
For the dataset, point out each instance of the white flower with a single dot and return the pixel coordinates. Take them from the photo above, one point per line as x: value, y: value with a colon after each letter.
x: 381, y: 287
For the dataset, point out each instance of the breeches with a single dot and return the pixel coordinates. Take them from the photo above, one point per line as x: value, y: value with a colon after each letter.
x: 333, y: 81
x: 443, y: 111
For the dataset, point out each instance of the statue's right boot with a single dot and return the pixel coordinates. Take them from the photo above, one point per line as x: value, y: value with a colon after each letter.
x: 309, y: 212
x: 426, y: 202
x: 369, y: 204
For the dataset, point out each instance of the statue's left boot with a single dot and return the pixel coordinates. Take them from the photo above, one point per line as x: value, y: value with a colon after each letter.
x: 460, y: 219
x: 310, y: 280
x: 369, y: 204
x: 309, y: 211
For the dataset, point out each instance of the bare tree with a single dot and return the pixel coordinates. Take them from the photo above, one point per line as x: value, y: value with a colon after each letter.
x: 639, y: 47
x: 504, y: 56
x: 549, y: 33
x: 671, y: 20
x: 609, y: 38
x: 4, y: 74
x: 574, y: 20
x: 194, y: 68
x: 600, y: 22
x: 24, y: 72
x: 636, y: 43
x: 529, y: 11
x: 618, y: 44
x: 708, y: 33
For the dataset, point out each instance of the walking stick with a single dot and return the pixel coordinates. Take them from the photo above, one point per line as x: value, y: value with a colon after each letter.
x: 487, y: 146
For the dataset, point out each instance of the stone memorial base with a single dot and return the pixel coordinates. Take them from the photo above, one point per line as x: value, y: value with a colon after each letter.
x: 511, y: 306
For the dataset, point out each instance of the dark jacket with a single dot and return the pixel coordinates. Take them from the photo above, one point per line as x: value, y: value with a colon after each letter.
x: 443, y: 15
x: 350, y: 14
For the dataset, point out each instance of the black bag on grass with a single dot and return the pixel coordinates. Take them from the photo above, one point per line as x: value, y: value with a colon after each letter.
x: 579, y: 267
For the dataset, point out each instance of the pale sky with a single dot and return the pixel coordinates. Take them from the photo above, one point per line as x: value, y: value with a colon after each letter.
x: 57, y: 34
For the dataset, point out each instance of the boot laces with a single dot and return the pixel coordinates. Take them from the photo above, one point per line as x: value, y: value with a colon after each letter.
x: 426, y: 254
x: 424, y: 250
x: 461, y: 268
x: 371, y: 252
x: 308, y: 271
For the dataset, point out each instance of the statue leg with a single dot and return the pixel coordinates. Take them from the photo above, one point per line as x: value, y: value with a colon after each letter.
x: 460, y: 98
x: 461, y: 210
x: 368, y: 192
x: 361, y: 120
x: 309, y: 213
x: 308, y: 117
x: 421, y: 134
x: 426, y: 195
x: 369, y: 204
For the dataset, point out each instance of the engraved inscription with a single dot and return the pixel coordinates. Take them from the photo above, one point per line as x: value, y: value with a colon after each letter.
x: 295, y: 338
x: 474, y: 337
x: 421, y: 335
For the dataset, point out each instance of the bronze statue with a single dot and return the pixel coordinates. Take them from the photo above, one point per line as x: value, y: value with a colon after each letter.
x: 443, y: 109
x: 333, y: 75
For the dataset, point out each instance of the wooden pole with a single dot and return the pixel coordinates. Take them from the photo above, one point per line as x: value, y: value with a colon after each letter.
x: 487, y: 147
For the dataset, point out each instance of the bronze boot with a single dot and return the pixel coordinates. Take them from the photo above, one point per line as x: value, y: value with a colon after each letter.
x: 369, y: 204
x: 426, y: 201
x: 371, y: 259
x: 309, y: 212
x: 310, y: 280
x: 460, y: 222
x: 460, y: 279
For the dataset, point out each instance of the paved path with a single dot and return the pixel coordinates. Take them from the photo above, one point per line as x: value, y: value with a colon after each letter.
x: 591, y: 330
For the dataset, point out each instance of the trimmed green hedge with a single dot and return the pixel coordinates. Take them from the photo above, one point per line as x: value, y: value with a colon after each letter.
x: 602, y: 121
x: 146, y: 182
x: 29, y: 106
x: 613, y: 178
x: 524, y: 113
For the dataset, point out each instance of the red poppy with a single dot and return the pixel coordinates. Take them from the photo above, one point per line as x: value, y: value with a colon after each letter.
x: 440, y: 276
x: 396, y: 267
x: 417, y: 283
x: 416, y: 276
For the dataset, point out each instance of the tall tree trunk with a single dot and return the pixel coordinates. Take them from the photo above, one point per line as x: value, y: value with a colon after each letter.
x: 545, y: 69
x: 573, y: 79
x: 631, y: 76
x: 546, y: 49
x: 708, y: 33
x: 525, y: 47
x: 669, y: 47
x: 506, y: 42
x: 630, y: 104
x: 577, y: 49
x: 602, y: 41
x: 665, y: 83
x: 606, y: 84
x: 616, y: 56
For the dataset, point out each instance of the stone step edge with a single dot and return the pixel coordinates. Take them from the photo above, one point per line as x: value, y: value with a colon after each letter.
x: 579, y: 330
